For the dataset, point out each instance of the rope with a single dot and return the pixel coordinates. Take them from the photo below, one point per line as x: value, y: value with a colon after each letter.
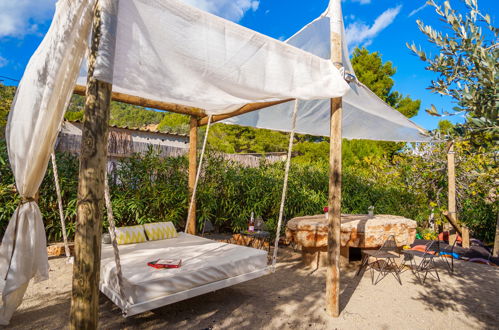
x: 112, y: 233
x: 59, y: 203
x: 193, y: 197
x: 285, y: 185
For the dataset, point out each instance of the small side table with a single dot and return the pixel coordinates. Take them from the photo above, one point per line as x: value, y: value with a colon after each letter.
x: 261, y: 236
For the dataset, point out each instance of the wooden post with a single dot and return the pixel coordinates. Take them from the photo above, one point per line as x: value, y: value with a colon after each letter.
x: 465, y: 235
x: 451, y: 195
x: 495, y: 252
x: 93, y: 163
x: 193, y: 139
x: 334, y: 197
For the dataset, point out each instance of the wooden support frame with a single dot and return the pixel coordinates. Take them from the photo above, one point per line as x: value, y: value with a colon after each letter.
x: 93, y: 161
x: 182, y: 109
x: 93, y: 164
x: 495, y: 252
x: 334, y: 196
x: 451, y: 215
x: 244, y: 109
x: 147, y: 103
x: 193, y: 139
x: 453, y: 222
x: 451, y: 185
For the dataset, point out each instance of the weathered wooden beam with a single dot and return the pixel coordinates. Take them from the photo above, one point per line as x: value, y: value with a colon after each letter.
x: 147, y: 103
x: 453, y: 222
x: 334, y: 213
x: 93, y: 162
x: 465, y: 235
x: 495, y: 252
x: 334, y: 197
x: 244, y: 109
x: 193, y: 138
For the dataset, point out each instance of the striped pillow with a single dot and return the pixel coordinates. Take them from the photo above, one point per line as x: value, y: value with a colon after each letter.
x: 130, y: 235
x: 160, y: 230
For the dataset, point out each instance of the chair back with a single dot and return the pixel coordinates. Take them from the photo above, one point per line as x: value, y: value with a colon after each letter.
x: 389, y: 245
x: 207, y: 227
x: 433, y: 247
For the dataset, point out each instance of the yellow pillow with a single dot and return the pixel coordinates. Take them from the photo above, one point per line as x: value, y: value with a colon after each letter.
x: 160, y: 230
x: 130, y: 234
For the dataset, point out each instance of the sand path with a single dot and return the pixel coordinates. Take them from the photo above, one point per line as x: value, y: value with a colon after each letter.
x: 293, y: 298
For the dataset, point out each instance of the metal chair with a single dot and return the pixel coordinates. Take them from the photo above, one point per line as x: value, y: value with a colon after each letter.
x: 384, y: 261
x: 450, y: 264
x: 427, y: 264
x: 207, y: 227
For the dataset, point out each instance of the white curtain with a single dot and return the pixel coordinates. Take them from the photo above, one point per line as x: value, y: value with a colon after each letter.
x: 38, y: 108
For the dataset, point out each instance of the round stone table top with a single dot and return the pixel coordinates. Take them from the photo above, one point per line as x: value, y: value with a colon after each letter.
x: 357, y: 230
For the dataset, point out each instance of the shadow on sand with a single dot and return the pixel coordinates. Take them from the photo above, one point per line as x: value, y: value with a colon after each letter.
x: 292, y: 297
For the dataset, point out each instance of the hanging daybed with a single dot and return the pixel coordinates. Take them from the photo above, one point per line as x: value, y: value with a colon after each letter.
x: 206, y: 266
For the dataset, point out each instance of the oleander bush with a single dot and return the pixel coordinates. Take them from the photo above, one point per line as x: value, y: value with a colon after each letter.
x: 147, y: 188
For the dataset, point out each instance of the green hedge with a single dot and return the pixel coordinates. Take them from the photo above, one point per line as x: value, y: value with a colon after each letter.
x: 148, y: 189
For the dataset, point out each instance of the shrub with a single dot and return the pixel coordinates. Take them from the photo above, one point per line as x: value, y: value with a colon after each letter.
x: 146, y: 188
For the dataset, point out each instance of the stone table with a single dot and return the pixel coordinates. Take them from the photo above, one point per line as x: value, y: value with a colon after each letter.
x: 357, y: 230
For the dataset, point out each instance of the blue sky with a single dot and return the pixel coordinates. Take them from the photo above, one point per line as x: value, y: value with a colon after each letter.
x: 380, y: 25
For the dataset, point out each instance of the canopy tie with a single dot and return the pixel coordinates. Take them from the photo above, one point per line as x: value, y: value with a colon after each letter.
x: 24, y: 200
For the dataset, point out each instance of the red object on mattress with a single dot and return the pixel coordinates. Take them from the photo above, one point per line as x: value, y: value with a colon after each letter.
x: 165, y: 263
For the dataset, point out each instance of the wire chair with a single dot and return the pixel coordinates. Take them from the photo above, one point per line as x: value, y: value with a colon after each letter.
x: 427, y: 263
x: 384, y: 261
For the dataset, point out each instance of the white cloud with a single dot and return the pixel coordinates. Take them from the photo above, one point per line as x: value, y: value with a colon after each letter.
x: 417, y: 10
x: 3, y: 61
x: 233, y: 10
x: 21, y: 17
x: 362, y: 2
x: 350, y: 17
x: 359, y: 33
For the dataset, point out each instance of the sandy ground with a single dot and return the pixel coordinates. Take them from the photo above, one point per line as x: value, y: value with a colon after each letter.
x: 293, y: 298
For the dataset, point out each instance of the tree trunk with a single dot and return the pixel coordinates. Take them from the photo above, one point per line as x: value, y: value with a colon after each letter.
x: 93, y: 163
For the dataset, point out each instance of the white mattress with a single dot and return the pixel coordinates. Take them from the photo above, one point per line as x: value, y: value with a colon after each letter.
x: 203, y: 261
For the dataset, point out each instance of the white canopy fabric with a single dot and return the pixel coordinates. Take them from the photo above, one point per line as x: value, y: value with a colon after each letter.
x: 171, y: 52
x: 165, y: 51
x: 37, y: 111
x: 365, y: 115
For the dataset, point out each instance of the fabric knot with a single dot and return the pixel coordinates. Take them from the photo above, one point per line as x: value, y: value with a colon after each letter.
x: 25, y: 200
